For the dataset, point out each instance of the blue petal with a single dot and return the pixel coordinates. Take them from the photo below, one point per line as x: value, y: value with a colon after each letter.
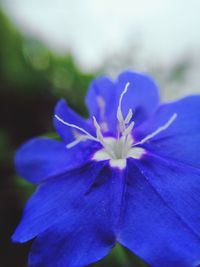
x: 142, y: 97
x: 155, y: 224
x: 71, y: 196
x: 103, y: 89
x: 179, y: 186
x: 181, y: 140
x: 84, y: 230
x: 52, y: 200
x: 42, y: 158
x: 65, y: 113
x: 75, y: 247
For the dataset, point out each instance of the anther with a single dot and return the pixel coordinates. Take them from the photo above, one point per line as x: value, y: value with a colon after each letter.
x: 98, y: 129
x: 129, y: 116
x: 128, y: 130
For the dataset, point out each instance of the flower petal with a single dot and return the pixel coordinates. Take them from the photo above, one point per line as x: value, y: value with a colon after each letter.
x: 52, y: 200
x: 155, y: 224
x: 101, y: 100
x: 78, y: 246
x: 87, y: 234
x: 42, y: 158
x: 103, y: 97
x: 90, y: 191
x: 67, y: 114
x: 180, y: 141
x: 179, y: 186
x: 142, y: 95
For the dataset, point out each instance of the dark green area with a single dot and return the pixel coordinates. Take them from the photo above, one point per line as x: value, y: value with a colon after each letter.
x: 120, y: 257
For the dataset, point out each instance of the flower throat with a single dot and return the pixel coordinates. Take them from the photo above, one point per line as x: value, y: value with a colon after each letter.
x: 121, y: 147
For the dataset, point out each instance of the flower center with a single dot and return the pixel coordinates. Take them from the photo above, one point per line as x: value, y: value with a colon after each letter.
x: 118, y: 149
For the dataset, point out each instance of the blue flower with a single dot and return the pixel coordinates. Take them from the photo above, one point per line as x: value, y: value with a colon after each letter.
x: 129, y: 174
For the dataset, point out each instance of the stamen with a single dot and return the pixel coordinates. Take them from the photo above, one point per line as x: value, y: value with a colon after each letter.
x: 75, y: 142
x: 159, y: 130
x: 78, y: 138
x: 128, y: 129
x: 129, y: 116
x: 98, y: 129
x: 89, y: 136
x: 123, y: 93
x: 119, y: 109
x: 115, y: 148
x: 101, y: 139
x: 76, y: 134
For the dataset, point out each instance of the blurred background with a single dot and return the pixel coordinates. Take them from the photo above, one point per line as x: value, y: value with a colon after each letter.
x: 52, y: 49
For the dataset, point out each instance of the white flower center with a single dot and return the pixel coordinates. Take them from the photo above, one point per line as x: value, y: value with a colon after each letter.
x: 118, y: 149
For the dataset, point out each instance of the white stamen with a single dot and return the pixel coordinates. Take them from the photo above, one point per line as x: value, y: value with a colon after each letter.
x: 101, y: 138
x: 129, y: 116
x: 98, y: 129
x: 128, y: 130
x: 121, y: 120
x: 89, y: 136
x: 74, y: 143
x: 86, y: 135
x: 76, y: 134
x: 78, y: 138
x: 123, y: 93
x: 116, y: 150
x: 159, y: 130
x: 119, y: 109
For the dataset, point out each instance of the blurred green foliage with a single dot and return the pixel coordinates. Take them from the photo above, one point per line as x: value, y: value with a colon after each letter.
x: 120, y: 257
x: 28, y: 65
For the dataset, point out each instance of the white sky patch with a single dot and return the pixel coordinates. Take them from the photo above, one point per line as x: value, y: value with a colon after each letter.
x: 93, y: 29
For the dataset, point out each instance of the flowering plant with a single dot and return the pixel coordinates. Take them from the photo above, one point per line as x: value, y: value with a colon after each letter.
x: 128, y: 174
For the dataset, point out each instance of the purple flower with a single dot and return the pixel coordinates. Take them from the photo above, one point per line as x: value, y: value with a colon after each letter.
x: 129, y: 174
